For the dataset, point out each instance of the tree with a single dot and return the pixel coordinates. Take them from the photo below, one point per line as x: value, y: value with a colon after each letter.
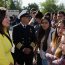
x: 18, y: 5
x: 15, y: 5
x: 1, y: 3
x: 5, y: 3
x: 30, y: 6
x: 12, y: 5
x: 61, y: 7
x: 49, y: 6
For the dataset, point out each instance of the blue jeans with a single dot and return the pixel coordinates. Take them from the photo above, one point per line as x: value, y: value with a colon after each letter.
x: 44, y: 62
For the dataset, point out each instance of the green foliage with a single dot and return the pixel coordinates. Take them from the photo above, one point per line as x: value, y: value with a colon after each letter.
x: 51, y: 6
x: 10, y: 4
x: 61, y: 7
x: 18, y: 6
x: 30, y: 6
x: 1, y: 3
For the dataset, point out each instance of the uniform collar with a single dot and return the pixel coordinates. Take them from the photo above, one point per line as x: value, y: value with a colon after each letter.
x: 23, y: 24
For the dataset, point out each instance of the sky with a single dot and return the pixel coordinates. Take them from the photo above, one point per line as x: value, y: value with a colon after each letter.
x: 26, y: 2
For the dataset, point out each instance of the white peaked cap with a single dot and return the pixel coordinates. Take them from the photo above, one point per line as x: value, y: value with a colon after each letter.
x: 23, y: 12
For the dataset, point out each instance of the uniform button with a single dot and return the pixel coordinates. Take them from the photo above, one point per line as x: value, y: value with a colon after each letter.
x: 29, y: 41
x: 22, y: 38
x: 30, y: 30
x: 22, y: 41
x: 29, y: 38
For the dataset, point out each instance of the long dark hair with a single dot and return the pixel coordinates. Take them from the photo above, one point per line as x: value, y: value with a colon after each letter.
x: 2, y: 16
x: 45, y: 33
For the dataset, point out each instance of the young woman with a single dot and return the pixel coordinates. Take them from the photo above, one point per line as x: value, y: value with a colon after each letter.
x: 55, y: 50
x: 5, y: 41
x: 57, y: 38
x: 44, y: 38
x: 61, y: 61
